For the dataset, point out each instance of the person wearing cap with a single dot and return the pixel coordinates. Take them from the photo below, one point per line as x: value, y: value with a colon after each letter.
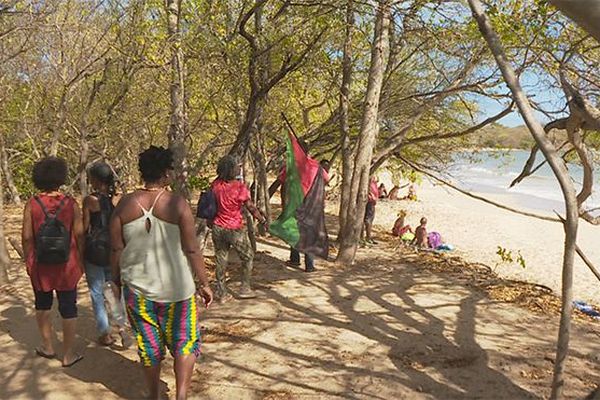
x: 97, y: 210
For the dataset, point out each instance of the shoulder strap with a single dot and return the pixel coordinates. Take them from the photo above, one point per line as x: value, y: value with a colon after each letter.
x: 140, y: 204
x: 45, y: 210
x: 37, y: 199
x: 60, y: 206
x: 156, y: 200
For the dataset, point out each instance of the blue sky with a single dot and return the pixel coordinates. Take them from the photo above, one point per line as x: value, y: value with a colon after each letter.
x: 537, y: 89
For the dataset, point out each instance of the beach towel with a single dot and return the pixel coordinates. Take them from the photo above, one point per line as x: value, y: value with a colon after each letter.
x: 408, y: 237
x: 586, y: 309
x: 434, y: 240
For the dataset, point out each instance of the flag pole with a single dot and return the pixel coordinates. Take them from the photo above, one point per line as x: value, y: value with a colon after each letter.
x: 289, y: 125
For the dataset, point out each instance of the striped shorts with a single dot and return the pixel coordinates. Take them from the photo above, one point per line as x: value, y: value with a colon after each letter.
x: 157, y: 324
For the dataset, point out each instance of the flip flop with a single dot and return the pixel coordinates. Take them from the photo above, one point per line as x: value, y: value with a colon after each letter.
x: 78, y: 358
x: 41, y: 353
x: 106, y: 343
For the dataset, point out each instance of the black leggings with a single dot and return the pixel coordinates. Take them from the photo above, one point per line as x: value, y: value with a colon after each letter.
x: 67, y: 302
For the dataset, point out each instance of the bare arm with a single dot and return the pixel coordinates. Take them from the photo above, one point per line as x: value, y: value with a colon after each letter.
x: 27, y: 230
x: 256, y: 213
x: 190, y: 247
x: 116, y: 244
x: 78, y: 232
x: 90, y: 204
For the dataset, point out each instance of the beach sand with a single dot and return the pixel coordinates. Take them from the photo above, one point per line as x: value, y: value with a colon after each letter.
x: 388, y: 327
x: 476, y: 229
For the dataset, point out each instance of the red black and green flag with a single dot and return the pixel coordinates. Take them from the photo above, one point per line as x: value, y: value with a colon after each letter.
x: 302, y: 221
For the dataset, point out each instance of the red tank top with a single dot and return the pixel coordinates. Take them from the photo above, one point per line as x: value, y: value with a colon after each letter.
x: 53, y: 277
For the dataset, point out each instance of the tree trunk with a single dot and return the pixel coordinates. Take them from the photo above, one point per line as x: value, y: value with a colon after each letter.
x: 84, y: 148
x: 177, y: 127
x: 261, y: 184
x: 4, y: 258
x: 585, y: 13
x: 560, y: 171
x: 368, y: 134
x: 258, y: 159
x: 344, y: 119
x: 10, y: 183
x: 59, y: 129
x: 242, y: 142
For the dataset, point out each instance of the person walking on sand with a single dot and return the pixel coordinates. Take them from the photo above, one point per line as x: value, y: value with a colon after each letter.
x: 309, y: 259
x: 228, y: 230
x: 97, y: 210
x: 154, y: 251
x: 52, y: 239
x: 370, y: 209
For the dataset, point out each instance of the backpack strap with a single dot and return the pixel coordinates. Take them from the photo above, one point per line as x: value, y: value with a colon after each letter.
x: 45, y: 210
x: 60, y: 206
x: 37, y: 199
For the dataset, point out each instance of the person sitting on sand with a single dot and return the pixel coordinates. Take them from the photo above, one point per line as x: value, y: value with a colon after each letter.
x: 420, y: 239
x: 383, y: 194
x: 400, y: 227
x: 412, y: 194
x: 393, y: 194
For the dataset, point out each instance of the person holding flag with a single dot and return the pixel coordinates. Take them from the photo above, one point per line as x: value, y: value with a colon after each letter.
x: 302, y: 221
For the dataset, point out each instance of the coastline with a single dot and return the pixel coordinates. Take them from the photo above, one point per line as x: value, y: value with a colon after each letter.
x: 477, y: 229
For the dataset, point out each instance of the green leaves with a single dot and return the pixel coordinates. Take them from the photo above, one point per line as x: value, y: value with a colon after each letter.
x: 507, y: 257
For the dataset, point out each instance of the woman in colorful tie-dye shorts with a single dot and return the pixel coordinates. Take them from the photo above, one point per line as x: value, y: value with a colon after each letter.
x: 154, y: 253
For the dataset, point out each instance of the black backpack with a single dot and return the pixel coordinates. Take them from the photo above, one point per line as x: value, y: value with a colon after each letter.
x: 207, y: 206
x: 97, y: 240
x: 53, y: 239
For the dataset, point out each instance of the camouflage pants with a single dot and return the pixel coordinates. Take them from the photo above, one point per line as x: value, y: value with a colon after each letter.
x: 225, y: 239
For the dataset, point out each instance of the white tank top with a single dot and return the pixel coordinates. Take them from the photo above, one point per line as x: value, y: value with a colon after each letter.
x: 153, y: 263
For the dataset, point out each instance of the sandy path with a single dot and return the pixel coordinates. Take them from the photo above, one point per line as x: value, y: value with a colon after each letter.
x: 382, y: 329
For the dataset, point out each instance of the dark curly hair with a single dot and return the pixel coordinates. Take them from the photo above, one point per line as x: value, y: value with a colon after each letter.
x: 50, y: 173
x: 226, y: 168
x: 154, y: 162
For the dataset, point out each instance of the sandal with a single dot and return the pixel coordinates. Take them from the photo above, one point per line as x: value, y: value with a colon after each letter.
x: 78, y: 358
x: 106, y: 340
x: 43, y: 354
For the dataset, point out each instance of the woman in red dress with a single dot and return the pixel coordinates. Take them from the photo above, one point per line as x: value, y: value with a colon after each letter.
x: 53, y: 265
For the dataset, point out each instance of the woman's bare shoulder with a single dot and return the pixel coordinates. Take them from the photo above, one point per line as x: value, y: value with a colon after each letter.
x: 124, y: 201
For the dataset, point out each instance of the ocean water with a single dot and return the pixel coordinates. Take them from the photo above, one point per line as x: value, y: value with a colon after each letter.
x: 491, y: 172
